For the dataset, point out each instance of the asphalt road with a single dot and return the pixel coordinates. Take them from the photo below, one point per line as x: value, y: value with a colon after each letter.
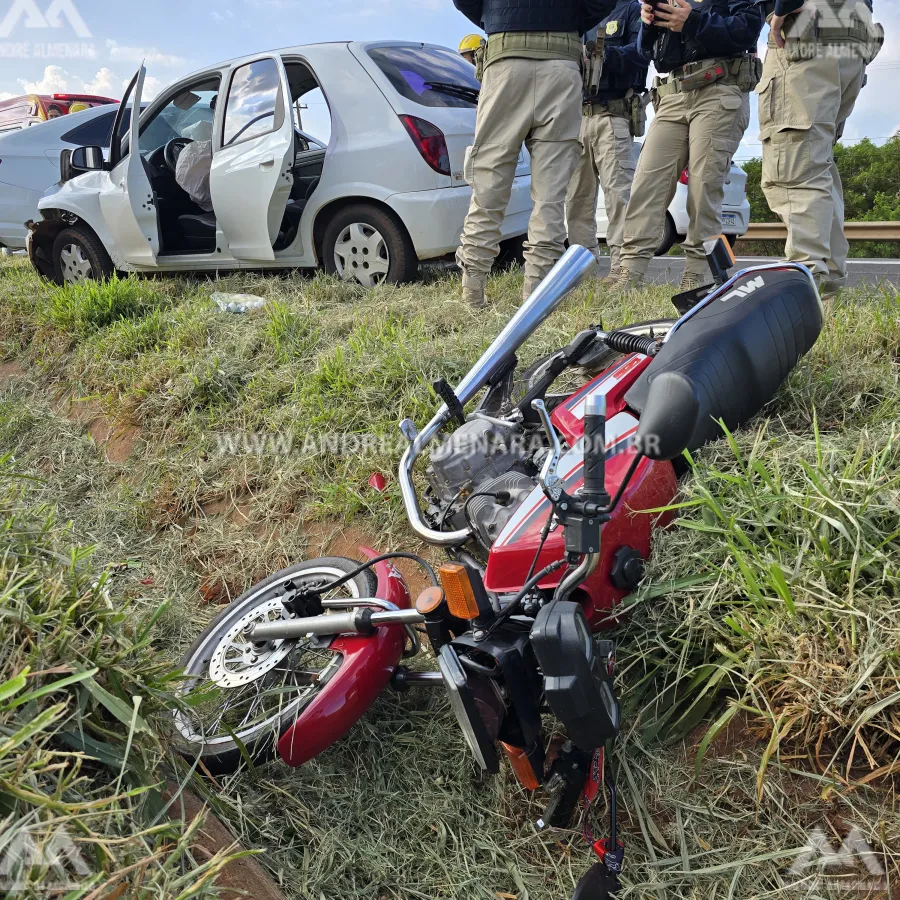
x: 862, y: 271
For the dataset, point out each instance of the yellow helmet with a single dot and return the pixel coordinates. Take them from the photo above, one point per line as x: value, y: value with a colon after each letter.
x: 470, y: 43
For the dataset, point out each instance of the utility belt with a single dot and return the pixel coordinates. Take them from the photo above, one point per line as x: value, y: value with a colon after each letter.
x: 744, y: 71
x: 804, y: 38
x: 531, y: 45
x: 633, y: 106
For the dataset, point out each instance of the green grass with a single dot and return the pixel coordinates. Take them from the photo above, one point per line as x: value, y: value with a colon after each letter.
x: 83, y: 698
x: 758, y: 666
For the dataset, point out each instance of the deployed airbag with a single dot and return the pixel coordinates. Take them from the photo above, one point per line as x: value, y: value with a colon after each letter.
x: 192, y: 173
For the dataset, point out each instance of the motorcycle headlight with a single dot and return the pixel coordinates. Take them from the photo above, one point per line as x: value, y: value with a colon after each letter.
x: 477, y: 706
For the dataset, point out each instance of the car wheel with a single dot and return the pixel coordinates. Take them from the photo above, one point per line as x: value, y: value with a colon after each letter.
x: 366, y: 245
x: 732, y: 239
x: 669, y: 239
x: 512, y: 254
x: 78, y: 256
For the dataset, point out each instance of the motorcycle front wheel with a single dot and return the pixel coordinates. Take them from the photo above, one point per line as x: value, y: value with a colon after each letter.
x: 237, y: 698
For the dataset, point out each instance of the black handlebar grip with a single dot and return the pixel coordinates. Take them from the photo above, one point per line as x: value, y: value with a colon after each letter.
x: 595, y: 447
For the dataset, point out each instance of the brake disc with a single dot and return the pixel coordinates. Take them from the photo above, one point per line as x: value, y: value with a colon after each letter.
x: 236, y: 661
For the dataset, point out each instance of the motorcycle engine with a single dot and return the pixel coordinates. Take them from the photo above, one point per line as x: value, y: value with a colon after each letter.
x: 480, y: 456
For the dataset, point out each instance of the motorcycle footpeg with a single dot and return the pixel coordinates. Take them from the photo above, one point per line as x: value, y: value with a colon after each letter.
x: 598, y: 883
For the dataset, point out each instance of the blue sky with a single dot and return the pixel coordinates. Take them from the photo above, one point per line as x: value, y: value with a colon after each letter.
x: 177, y: 37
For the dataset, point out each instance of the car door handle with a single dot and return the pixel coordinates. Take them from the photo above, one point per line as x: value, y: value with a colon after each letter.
x: 267, y: 163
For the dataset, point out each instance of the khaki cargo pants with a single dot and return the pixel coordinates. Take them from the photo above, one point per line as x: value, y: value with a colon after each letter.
x: 803, y: 107
x: 607, y: 153
x: 536, y: 102
x: 699, y: 130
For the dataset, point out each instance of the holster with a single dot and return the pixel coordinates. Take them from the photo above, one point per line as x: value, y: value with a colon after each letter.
x: 638, y: 114
x: 479, y: 63
x: 592, y: 64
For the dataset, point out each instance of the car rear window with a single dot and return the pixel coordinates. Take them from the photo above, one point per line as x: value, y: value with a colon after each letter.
x: 416, y: 72
x: 95, y: 133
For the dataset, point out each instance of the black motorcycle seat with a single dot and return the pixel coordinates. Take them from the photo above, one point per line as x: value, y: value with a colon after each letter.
x: 739, y: 348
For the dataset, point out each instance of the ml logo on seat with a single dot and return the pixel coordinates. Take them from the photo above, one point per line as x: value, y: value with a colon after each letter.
x: 745, y: 290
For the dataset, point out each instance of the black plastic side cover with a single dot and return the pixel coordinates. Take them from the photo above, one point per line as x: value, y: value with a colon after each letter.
x: 577, y: 684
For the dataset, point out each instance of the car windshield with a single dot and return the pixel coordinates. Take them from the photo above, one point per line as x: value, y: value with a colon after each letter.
x: 429, y: 75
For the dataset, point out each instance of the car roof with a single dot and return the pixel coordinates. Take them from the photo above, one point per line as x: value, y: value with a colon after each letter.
x: 308, y: 50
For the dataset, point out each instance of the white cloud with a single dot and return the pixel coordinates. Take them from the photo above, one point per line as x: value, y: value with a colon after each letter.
x: 224, y: 16
x: 5, y: 95
x: 148, y: 55
x: 106, y: 83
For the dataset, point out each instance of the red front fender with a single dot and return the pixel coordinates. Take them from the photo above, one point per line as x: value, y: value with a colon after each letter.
x: 367, y: 667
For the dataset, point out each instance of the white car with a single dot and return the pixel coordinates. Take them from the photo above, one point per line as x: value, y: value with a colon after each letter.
x: 735, y: 210
x: 387, y: 192
x: 29, y: 164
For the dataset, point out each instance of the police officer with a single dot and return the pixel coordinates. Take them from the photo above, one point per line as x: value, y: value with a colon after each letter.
x: 469, y: 46
x: 705, y: 50
x: 814, y: 70
x: 531, y: 93
x: 614, y: 114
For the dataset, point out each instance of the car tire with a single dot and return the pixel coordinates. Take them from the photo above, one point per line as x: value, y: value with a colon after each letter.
x: 79, y: 255
x: 732, y: 239
x: 669, y: 239
x: 363, y: 243
x: 511, y: 255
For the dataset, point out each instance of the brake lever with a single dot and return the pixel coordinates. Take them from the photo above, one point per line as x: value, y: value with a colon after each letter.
x: 549, y: 480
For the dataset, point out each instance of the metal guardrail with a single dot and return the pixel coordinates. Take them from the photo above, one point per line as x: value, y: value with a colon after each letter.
x: 855, y: 231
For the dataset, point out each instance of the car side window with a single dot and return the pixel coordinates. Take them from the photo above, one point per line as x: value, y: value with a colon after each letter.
x: 189, y: 113
x: 95, y: 133
x: 253, y: 107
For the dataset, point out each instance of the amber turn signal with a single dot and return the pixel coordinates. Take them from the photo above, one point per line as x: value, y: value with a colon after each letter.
x: 522, y: 767
x: 429, y: 600
x: 458, y: 591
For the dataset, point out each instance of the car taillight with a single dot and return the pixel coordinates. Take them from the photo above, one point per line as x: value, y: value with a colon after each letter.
x: 684, y: 177
x: 430, y: 142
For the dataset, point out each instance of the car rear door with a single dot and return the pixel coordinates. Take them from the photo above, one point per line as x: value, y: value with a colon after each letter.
x: 250, y: 179
x: 127, y: 202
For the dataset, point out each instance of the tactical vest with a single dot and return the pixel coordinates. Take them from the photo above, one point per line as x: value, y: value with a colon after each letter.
x: 671, y: 50
x: 614, y: 30
x: 528, y: 15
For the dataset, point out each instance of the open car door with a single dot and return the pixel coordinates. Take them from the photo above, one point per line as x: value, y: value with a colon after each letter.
x: 128, y: 204
x: 250, y: 179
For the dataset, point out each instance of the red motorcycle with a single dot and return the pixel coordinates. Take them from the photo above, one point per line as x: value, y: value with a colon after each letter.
x: 540, y: 501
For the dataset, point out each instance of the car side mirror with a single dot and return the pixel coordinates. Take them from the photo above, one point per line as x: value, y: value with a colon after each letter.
x: 84, y: 159
x: 669, y: 417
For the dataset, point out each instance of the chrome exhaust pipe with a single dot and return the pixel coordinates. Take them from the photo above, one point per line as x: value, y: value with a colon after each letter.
x: 564, y: 277
x: 575, y: 264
